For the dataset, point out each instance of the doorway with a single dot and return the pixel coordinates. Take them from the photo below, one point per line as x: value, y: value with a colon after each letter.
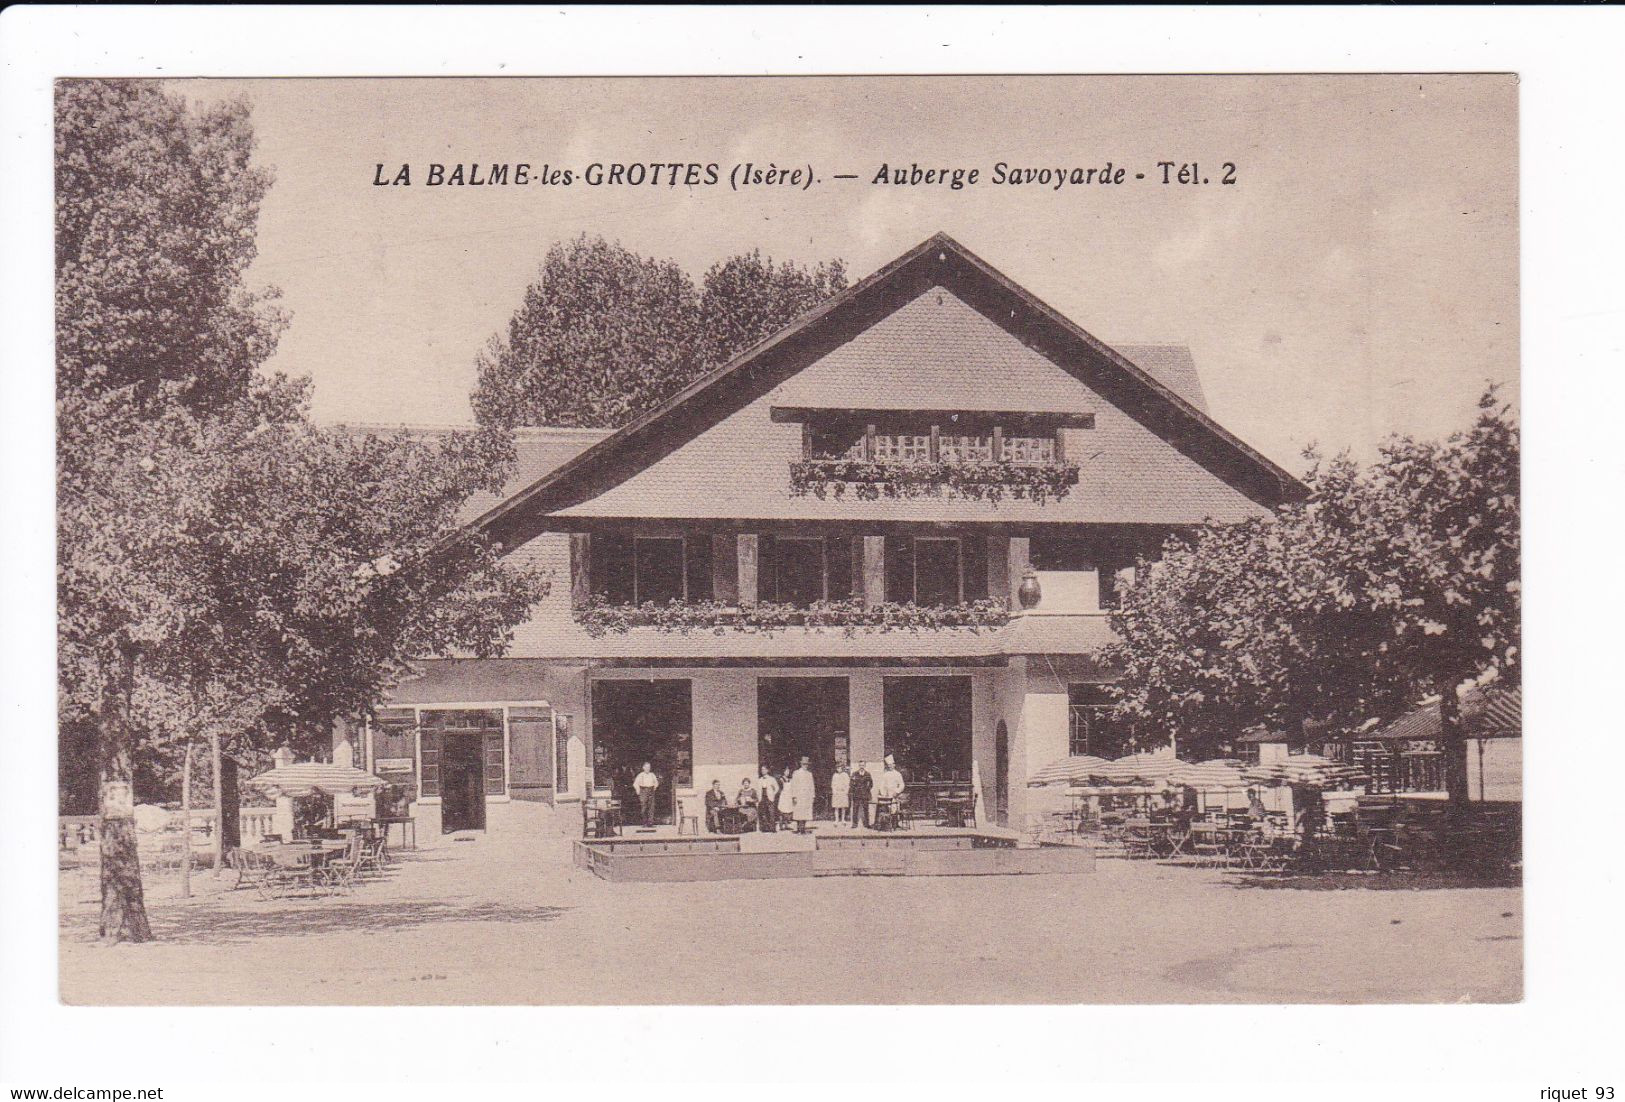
x: 803, y: 717
x: 928, y: 727
x: 462, y: 791
x: 643, y: 721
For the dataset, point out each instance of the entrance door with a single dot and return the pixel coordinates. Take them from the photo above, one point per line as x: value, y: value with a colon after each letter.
x: 799, y: 717
x: 462, y: 773
x: 1001, y: 775
x: 928, y: 727
x: 643, y: 721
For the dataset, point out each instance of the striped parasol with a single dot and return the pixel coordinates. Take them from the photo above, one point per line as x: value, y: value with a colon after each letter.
x: 1305, y: 769
x: 1073, y: 770
x: 1149, y: 768
x: 1220, y: 774
x: 311, y: 777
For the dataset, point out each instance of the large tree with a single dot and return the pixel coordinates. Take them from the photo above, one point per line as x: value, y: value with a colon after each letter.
x: 1246, y: 624
x: 1390, y: 581
x: 225, y: 567
x: 1428, y: 539
x: 604, y: 334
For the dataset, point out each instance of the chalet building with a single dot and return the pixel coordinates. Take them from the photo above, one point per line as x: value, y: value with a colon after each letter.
x: 895, y: 527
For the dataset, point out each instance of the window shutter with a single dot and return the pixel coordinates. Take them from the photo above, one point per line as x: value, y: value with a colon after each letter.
x: 900, y: 569
x: 429, y: 738
x: 496, y: 775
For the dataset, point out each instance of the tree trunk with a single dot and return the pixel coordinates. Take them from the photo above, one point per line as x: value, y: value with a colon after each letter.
x: 124, y: 909
x: 1453, y: 744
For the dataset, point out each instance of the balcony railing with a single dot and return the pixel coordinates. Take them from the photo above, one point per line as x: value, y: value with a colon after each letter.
x: 872, y: 479
x: 599, y: 617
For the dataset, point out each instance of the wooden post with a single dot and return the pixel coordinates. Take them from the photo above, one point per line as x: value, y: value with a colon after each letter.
x: 580, y: 569
x: 874, y: 570
x: 219, y: 834
x: 746, y: 556
x: 186, y: 821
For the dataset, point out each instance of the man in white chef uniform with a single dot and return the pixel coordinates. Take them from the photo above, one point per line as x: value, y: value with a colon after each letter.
x: 802, y: 792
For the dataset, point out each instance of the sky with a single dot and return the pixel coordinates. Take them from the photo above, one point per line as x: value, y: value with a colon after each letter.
x: 1358, y: 279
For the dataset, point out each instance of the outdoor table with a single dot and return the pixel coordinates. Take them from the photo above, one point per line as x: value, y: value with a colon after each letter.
x: 298, y: 854
x: 407, y: 823
x: 955, y: 810
x: 600, y: 818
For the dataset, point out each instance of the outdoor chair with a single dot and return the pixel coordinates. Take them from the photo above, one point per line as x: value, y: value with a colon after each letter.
x: 339, y: 874
x: 268, y: 879
x: 374, y: 854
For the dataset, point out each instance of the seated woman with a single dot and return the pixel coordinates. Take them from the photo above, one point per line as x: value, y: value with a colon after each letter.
x: 745, y: 802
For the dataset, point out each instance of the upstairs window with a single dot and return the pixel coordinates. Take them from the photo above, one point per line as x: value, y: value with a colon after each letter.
x: 937, y: 577
x: 659, y: 570
x: 627, y: 570
x: 800, y: 568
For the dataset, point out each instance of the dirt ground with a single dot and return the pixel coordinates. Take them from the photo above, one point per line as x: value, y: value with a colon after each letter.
x: 504, y: 919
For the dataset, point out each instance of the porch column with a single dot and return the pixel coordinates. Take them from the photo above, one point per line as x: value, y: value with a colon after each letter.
x: 746, y: 551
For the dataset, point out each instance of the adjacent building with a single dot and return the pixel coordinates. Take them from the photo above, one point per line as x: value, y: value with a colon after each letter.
x: 895, y: 527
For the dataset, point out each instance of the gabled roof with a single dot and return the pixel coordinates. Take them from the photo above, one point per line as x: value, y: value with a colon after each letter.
x: 1172, y: 410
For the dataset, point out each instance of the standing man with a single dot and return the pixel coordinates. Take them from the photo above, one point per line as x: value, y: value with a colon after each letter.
x: 863, y: 788
x: 891, y: 786
x: 802, y: 793
x: 644, y: 785
x: 767, y: 801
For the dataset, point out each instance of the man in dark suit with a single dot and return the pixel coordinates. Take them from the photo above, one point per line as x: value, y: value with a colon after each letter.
x: 863, y: 786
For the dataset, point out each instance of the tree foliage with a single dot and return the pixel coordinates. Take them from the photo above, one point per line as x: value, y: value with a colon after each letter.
x: 604, y: 335
x: 226, y: 566
x: 1390, y: 581
x: 156, y: 204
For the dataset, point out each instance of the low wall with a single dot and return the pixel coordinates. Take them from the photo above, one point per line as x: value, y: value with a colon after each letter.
x: 675, y: 859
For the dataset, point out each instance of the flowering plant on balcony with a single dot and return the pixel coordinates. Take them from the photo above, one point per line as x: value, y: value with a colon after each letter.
x: 872, y: 479
x: 599, y: 617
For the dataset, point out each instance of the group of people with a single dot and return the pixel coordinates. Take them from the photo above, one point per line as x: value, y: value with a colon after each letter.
x: 766, y: 801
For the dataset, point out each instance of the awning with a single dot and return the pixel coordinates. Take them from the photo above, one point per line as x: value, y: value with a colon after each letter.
x: 1220, y: 774
x: 1074, y: 770
x: 313, y: 777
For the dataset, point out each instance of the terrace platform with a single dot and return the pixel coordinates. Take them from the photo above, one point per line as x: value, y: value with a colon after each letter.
x: 662, y: 856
